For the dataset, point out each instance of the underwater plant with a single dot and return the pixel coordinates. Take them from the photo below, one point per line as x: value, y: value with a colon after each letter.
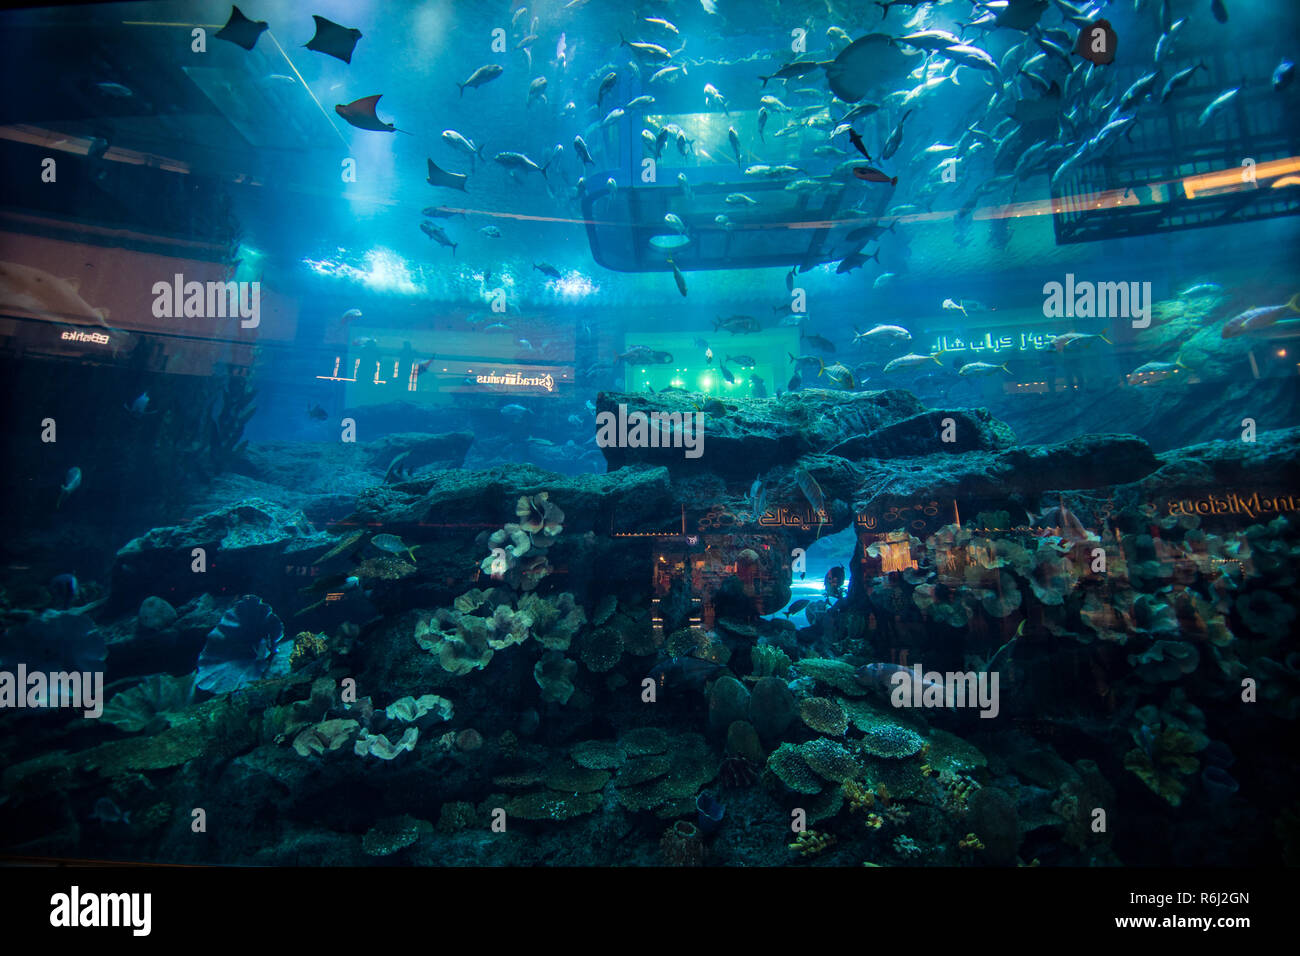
x: 1167, y: 745
x: 149, y: 705
x: 247, y: 645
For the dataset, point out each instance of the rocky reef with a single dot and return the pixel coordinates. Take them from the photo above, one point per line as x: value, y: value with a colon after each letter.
x: 371, y: 654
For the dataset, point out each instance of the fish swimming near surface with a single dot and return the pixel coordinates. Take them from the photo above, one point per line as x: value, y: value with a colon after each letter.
x: 895, y: 138
x: 734, y: 139
x: 737, y: 324
x: 240, y: 30
x: 856, y: 260
x: 979, y: 369
x: 537, y: 90
x: 1181, y: 78
x: 678, y: 278
x: 1219, y: 102
x: 334, y: 39
x: 438, y: 235
x: 1254, y: 320
x: 913, y: 361
x: 872, y: 175
x: 792, y: 71
x: 484, y: 74
x: 711, y: 95
x: 361, y: 114
x: 70, y: 484
x: 606, y: 84
x: 460, y: 142
x: 882, y: 334
x: 515, y: 161
x: 647, y: 51
x: 546, y: 269
x: 1073, y: 341
x: 644, y: 355
x: 801, y: 361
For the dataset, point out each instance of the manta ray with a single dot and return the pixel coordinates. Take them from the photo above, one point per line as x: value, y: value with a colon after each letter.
x: 440, y: 177
x: 333, y: 39
x: 240, y: 30
x: 361, y: 114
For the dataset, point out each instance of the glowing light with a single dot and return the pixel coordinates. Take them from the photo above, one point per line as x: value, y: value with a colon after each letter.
x: 1281, y: 353
x: 573, y: 286
x: 381, y: 269
x: 1229, y: 179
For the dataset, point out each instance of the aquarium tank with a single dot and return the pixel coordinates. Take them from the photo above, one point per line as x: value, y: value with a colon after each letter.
x: 651, y: 433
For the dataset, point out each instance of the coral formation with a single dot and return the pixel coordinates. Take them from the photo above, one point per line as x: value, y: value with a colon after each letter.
x: 248, y: 644
x: 150, y: 705
x: 812, y: 843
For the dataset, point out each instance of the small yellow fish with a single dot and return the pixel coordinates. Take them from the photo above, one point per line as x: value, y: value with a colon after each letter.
x: 393, y: 545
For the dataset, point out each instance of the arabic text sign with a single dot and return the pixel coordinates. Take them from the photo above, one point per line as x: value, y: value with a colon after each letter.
x: 1015, y: 341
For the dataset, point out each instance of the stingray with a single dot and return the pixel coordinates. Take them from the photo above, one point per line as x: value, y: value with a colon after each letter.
x: 440, y: 177
x: 1039, y: 111
x: 333, y: 39
x: 361, y: 114
x: 866, y: 63
x: 240, y: 30
x: 1020, y: 14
